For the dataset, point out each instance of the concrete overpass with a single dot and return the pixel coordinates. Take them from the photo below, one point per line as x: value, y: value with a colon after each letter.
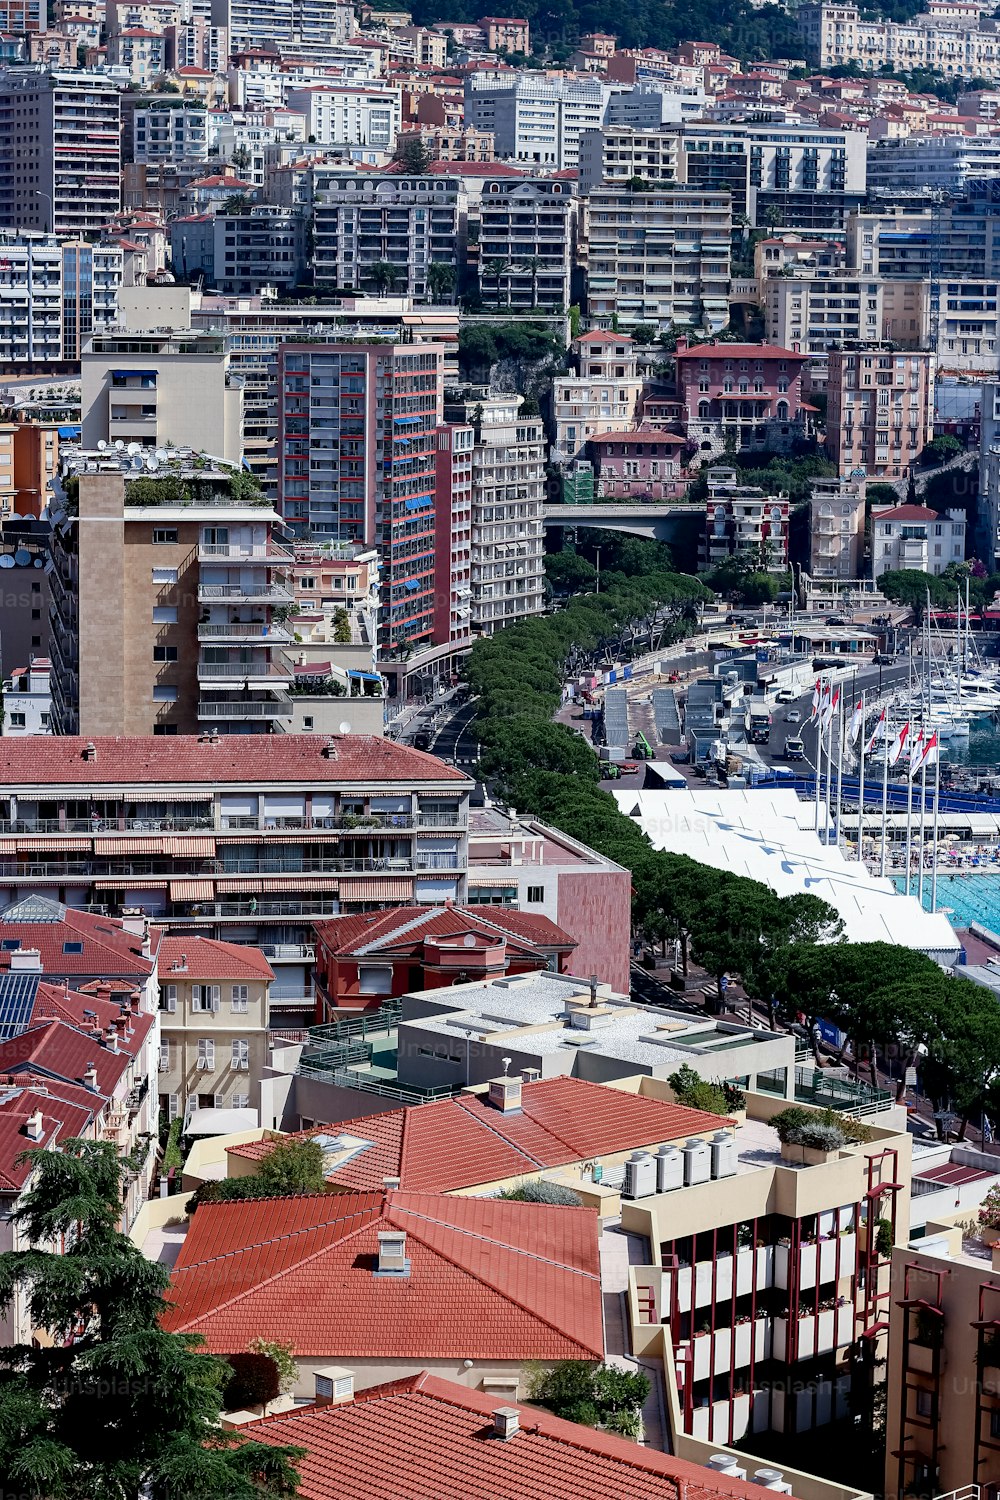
x: 662, y: 523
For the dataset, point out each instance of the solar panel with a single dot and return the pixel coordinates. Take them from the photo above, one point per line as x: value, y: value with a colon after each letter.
x: 17, y: 1001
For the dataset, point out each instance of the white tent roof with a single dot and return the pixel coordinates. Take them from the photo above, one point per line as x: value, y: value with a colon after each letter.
x: 767, y: 835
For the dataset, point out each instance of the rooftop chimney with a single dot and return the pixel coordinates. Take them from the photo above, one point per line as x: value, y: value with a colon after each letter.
x: 90, y: 751
x: 505, y: 1095
x: 593, y: 990
x: 392, y: 1259
x: 25, y: 961
x: 33, y: 1126
x: 390, y: 1184
x: 330, y: 750
x: 334, y: 1386
x: 112, y: 1038
x: 506, y: 1422
x: 90, y: 1076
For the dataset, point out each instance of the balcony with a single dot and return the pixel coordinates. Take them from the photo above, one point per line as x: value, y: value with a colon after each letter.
x: 209, y: 593
x: 237, y: 632
x: 264, y: 672
x: 817, y: 1333
x: 715, y: 1354
x: 278, y: 707
x: 230, y: 552
x: 754, y: 1268
x: 833, y: 1258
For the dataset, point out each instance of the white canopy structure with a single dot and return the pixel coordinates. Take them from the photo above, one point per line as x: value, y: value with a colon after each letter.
x: 768, y: 835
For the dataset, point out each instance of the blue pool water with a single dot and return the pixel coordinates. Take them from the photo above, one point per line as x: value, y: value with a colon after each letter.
x: 971, y: 898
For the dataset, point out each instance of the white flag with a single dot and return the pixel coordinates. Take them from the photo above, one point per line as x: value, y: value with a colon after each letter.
x: 899, y: 743
x: 830, y: 707
x: 875, y: 733
x: 857, y: 721
x: 817, y: 702
x: 916, y: 753
x: 929, y: 755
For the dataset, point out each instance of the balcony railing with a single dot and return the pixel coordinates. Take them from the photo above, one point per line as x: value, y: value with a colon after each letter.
x: 280, y: 707
x: 239, y: 631
x: 361, y: 823
x: 272, y: 553
x: 279, y: 670
x: 207, y: 592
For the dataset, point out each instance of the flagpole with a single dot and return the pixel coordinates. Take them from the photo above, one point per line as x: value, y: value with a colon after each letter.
x: 934, y: 833
x: 829, y: 765
x: 861, y: 777
x: 909, y: 822
x: 840, y: 765
x: 885, y: 790
x: 819, y: 748
x: 923, y: 825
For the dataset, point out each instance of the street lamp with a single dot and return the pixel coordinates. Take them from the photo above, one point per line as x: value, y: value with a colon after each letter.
x: 52, y: 212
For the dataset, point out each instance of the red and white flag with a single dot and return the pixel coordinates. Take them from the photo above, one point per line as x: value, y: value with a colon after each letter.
x: 830, y: 707
x: 914, y: 751
x: 875, y: 733
x: 898, y: 745
x: 817, y: 702
x: 857, y: 721
x: 928, y: 756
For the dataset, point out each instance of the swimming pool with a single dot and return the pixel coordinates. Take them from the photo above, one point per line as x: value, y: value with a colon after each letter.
x: 966, y: 898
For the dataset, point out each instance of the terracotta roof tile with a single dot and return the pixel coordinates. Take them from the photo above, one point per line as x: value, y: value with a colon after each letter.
x: 107, y: 949
x: 208, y: 958
x: 149, y: 759
x: 488, y: 1279
x: 463, y: 1142
x: 429, y: 1436
x: 405, y: 928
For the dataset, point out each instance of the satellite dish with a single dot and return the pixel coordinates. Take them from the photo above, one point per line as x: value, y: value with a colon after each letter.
x: 134, y: 448
x: 119, y: 445
x: 102, y: 446
x: 6, y: 561
x: 161, y: 455
x: 39, y: 562
x: 345, y: 726
x: 22, y: 557
x: 151, y: 463
x: 137, y: 460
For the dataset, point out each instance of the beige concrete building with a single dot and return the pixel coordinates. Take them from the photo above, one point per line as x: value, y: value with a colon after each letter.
x: 837, y: 528
x: 214, y: 1005
x: 957, y: 45
x: 603, y: 397
x: 168, y: 598
x: 162, y: 389
x: 880, y: 409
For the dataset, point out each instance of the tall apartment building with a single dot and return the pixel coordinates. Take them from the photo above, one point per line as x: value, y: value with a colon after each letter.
x: 356, y: 435
x: 813, y: 315
x: 659, y: 257
x: 916, y: 538
x: 880, y: 409
x: 161, y: 388
x: 742, y: 518
x: 349, y: 114
x: 837, y: 528
x: 167, y: 127
x: 737, y: 397
x: 959, y: 239
x: 214, y: 1010
x: 453, y: 560
x: 926, y: 163
x: 603, y: 396
x: 527, y: 243
x: 533, y: 119
x: 233, y: 838
x: 836, y: 34
x: 271, y: 24
x: 615, y: 154
x: 91, y: 280
x: 508, y: 488
x: 30, y: 298
x: 165, y: 585
x: 264, y: 247
x: 362, y: 226
x: 60, y: 150
x: 197, y: 44
x: 812, y: 177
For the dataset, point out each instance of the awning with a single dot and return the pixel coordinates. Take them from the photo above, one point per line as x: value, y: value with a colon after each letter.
x: 487, y: 878
x: 8, y: 846
x: 363, y: 676
x: 400, y: 420
x: 414, y: 502
x: 130, y: 883
x: 127, y: 845
x: 411, y: 583
x: 62, y: 844
x: 125, y: 374
x: 189, y: 847
x: 376, y: 890
x: 69, y: 433
x: 191, y: 890
x: 246, y: 886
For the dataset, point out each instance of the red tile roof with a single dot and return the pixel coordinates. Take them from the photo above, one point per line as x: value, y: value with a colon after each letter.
x: 462, y: 1142
x: 488, y: 1279
x: 108, y: 950
x: 208, y: 958
x: 740, y: 351
x: 149, y: 760
x: 427, y: 1436
x: 906, y: 513
x: 62, y: 1119
x: 404, y: 928
x: 61, y: 1050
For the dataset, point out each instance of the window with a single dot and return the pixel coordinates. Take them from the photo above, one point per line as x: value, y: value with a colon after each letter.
x: 206, y: 1054
x: 241, y: 1101
x: 164, y: 695
x: 204, y: 997
x: 536, y: 894
x: 240, y: 999
x: 164, y: 535
x: 164, y: 1062
x: 72, y: 947
x: 241, y: 1054
x: 18, y: 721
x: 164, y: 575
x: 925, y: 1403
x: 165, y: 614
x: 164, y: 728
x: 173, y: 1106
x: 374, y: 980
x: 165, y: 653
x: 168, y: 998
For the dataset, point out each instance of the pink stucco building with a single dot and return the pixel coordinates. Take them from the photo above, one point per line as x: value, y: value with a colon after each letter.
x: 644, y: 463
x: 750, y: 394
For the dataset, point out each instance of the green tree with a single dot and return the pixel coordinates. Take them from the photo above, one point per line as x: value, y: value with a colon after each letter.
x: 440, y: 280
x: 114, y: 1407
x: 910, y: 586
x: 941, y: 448
x: 383, y: 276
x: 494, y: 270
x: 412, y: 154
x: 570, y: 571
x: 594, y: 1395
x: 294, y: 1166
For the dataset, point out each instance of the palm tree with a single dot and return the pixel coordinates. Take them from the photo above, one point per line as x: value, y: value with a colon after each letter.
x: 440, y: 279
x: 494, y: 269
x: 383, y: 276
x: 533, y: 265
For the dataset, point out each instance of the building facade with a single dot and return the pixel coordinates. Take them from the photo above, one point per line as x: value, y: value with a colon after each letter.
x: 837, y: 34
x: 880, y: 409
x: 91, y: 280
x: 27, y: 700
x: 741, y: 519
x: 388, y: 234
x: 534, y: 119
x: 30, y: 298
x: 603, y: 397
x: 837, y: 528
x: 527, y: 243
x: 165, y: 589
x: 913, y: 537
x: 60, y: 150
x: 747, y: 395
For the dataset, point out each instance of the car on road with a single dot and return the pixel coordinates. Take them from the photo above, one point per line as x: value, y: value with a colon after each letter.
x: 793, y: 716
x: 421, y: 740
x: 786, y: 695
x: 795, y: 749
